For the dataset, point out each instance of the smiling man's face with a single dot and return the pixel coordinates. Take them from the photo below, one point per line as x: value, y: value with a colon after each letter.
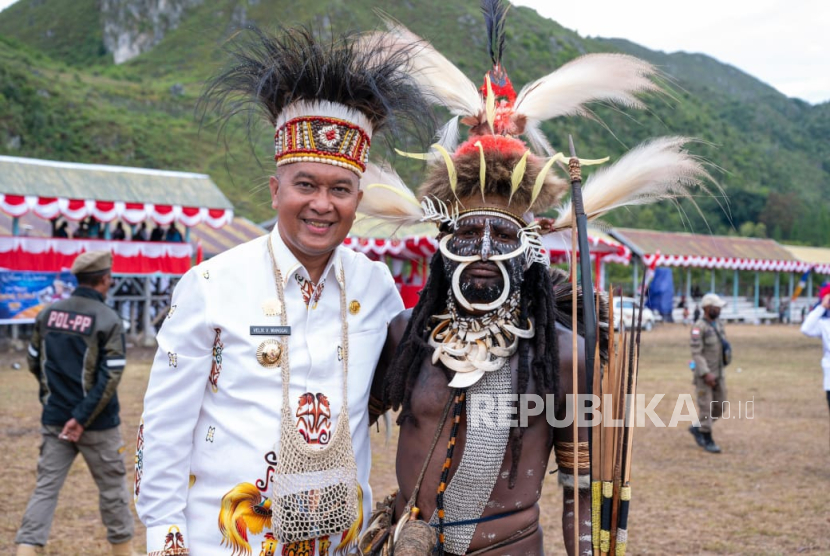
x: 317, y: 205
x: 485, y: 236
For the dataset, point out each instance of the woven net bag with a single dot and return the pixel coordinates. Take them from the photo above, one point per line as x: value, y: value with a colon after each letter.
x: 315, y: 490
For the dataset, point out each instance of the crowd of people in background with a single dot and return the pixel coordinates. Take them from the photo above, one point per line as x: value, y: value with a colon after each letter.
x: 93, y: 229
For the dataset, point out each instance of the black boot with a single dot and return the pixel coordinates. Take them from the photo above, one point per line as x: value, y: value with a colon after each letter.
x: 710, y: 443
x: 698, y: 436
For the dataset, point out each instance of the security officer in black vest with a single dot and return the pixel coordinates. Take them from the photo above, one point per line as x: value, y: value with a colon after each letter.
x: 77, y: 354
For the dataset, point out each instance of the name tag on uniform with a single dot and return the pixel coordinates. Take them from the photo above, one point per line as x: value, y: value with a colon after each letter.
x: 270, y: 331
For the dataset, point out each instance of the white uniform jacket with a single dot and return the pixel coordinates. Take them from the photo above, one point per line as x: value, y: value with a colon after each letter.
x: 209, y: 435
x: 817, y: 326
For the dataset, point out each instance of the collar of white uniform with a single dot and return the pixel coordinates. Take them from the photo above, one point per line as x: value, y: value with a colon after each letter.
x: 289, y: 264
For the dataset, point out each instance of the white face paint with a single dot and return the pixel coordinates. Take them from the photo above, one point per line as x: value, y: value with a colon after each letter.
x: 485, y: 258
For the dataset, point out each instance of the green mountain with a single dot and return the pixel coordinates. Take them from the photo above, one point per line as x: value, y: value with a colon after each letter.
x: 63, y: 97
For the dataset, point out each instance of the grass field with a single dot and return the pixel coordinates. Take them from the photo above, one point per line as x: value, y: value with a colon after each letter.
x: 767, y: 493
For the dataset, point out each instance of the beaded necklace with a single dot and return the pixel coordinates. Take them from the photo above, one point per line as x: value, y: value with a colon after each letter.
x: 315, y: 491
x: 458, y: 407
x: 474, y: 345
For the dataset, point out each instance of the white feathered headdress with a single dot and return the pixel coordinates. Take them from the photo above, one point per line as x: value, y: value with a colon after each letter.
x: 494, y: 163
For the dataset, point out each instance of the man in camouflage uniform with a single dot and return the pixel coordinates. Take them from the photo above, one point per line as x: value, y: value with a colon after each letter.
x: 77, y: 355
x: 710, y: 379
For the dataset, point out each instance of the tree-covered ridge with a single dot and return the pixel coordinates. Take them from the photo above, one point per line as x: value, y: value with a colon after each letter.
x: 63, y: 98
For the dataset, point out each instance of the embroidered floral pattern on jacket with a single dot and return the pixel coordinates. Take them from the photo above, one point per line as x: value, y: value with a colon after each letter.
x: 173, y: 544
x: 269, y: 545
x: 139, y: 458
x: 216, y: 365
x: 246, y: 508
x: 311, y: 293
x: 325, y: 544
x: 299, y: 548
x: 314, y: 418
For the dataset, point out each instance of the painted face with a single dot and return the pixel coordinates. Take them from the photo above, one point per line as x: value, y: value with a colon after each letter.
x: 317, y: 204
x: 485, y: 237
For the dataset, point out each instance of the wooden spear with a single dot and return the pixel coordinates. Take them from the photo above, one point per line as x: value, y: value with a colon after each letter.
x: 596, y: 453
x: 575, y: 382
x: 621, y: 537
x: 609, y: 441
x: 589, y: 314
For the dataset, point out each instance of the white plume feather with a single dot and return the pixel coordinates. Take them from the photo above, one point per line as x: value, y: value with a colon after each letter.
x: 615, y: 78
x: 439, y: 79
x: 448, y: 136
x: 657, y: 170
x: 538, y: 142
x: 386, y: 197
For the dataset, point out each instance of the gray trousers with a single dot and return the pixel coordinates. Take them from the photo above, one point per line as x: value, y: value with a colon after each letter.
x: 709, y: 402
x: 101, y: 452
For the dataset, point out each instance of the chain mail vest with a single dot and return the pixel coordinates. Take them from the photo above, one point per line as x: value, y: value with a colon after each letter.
x: 472, y: 484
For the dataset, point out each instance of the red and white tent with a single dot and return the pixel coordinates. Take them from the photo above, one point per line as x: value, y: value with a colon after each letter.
x: 44, y: 189
x: 711, y: 252
x: 37, y: 254
x: 108, y: 211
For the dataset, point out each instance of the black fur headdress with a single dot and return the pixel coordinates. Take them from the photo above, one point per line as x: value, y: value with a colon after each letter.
x: 348, y: 80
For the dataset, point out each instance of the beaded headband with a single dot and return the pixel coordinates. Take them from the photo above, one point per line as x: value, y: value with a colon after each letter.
x: 325, y: 132
x: 494, y: 211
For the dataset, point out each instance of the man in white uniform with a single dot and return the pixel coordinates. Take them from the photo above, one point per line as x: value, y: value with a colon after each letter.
x: 817, y: 325
x: 228, y: 461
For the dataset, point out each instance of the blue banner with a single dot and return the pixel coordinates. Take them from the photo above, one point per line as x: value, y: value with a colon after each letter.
x: 24, y: 294
x: 661, y: 293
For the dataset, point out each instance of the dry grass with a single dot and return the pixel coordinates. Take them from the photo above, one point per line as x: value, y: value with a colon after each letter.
x: 766, y: 494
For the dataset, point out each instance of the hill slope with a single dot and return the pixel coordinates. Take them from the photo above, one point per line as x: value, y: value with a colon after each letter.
x: 79, y: 106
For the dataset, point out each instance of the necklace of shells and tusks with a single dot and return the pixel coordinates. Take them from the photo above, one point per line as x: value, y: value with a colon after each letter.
x: 472, y: 346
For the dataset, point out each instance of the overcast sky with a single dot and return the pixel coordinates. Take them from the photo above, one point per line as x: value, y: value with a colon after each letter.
x: 785, y: 43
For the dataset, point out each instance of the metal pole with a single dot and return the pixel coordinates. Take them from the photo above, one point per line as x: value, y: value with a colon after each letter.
x: 712, y: 288
x: 757, y: 289
x: 735, y: 292
x: 688, y: 285
x: 810, y: 287
x: 778, y: 292
x: 790, y: 297
x: 146, y: 319
x: 187, y: 234
x: 636, y: 272
x: 133, y: 319
x: 16, y: 226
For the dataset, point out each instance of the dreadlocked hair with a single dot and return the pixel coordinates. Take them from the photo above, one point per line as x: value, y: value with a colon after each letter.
x: 404, y: 368
x: 563, y: 299
x: 537, y: 302
x: 269, y: 72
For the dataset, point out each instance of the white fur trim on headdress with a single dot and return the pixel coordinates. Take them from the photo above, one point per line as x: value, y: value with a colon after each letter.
x: 325, y: 109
